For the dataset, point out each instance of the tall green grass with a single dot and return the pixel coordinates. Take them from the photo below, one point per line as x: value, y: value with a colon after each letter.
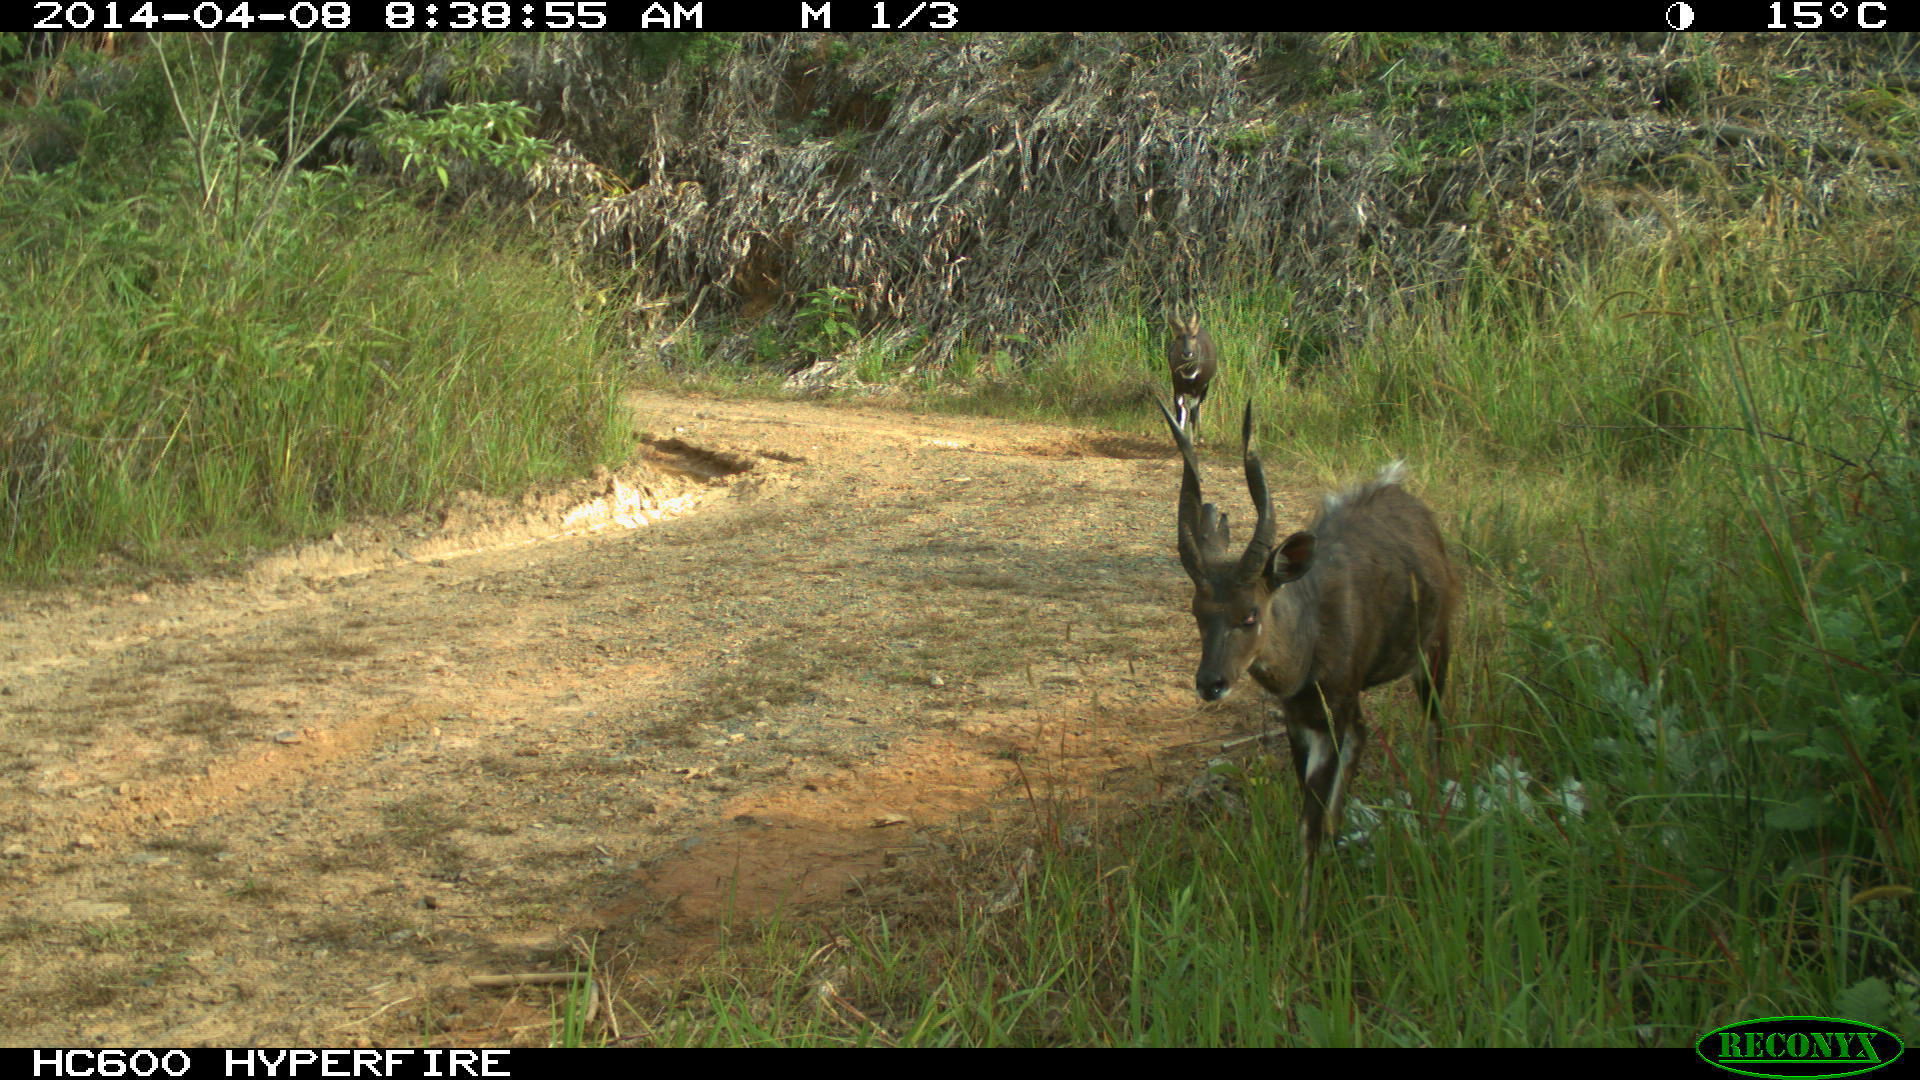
x: 177, y: 390
x: 1683, y: 482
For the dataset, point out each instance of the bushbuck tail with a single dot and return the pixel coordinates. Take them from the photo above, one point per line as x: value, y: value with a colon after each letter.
x: 1191, y: 357
x: 1364, y: 595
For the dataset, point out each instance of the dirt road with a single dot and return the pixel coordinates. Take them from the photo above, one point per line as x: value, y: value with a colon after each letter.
x: 284, y: 808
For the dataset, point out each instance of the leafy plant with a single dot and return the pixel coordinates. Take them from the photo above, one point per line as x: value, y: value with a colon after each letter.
x: 658, y: 51
x: 212, y: 89
x: 1846, y: 679
x: 493, y: 134
x: 827, y: 320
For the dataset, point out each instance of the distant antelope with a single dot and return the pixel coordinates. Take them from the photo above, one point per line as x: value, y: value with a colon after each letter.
x: 1191, y: 356
x: 1368, y: 597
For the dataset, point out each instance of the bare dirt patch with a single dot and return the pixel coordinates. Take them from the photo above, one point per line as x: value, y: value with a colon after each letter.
x: 289, y: 807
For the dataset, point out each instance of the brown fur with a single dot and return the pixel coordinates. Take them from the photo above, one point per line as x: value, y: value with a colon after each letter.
x: 1365, y: 595
x: 1192, y: 361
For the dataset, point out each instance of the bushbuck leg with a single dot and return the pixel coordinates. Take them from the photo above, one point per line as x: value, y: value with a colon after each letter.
x: 1349, y: 737
x: 1325, y: 750
x: 1430, y: 681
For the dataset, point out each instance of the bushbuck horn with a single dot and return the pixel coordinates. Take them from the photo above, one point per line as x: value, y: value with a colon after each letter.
x: 1195, y: 524
x: 1254, y: 559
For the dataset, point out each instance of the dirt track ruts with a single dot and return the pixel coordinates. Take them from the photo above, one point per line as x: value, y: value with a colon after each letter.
x: 282, y: 808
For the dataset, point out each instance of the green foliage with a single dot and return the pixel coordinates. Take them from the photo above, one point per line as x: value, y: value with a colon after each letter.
x: 496, y: 135
x: 1892, y: 1007
x: 1886, y: 112
x: 214, y: 348
x: 770, y: 346
x: 1381, y: 55
x: 462, y: 67
x: 1366, y: 50
x: 1692, y: 82
x: 840, y: 51
x: 1250, y: 138
x: 965, y: 363
x: 1449, y: 92
x: 811, y: 126
x: 656, y: 51
x: 1033, y: 50
x: 1841, y: 687
x: 1456, y: 114
x: 348, y: 358
x: 827, y: 319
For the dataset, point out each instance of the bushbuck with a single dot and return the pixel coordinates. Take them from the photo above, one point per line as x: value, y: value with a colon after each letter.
x: 1364, y: 595
x: 1191, y: 356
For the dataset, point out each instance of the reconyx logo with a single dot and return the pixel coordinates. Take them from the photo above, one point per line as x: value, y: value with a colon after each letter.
x: 1799, y: 1047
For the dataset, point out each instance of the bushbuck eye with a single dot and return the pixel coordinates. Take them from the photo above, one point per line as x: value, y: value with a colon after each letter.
x: 1252, y: 619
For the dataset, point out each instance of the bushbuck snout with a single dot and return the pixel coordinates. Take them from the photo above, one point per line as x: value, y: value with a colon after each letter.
x: 1191, y: 357
x: 1363, y: 596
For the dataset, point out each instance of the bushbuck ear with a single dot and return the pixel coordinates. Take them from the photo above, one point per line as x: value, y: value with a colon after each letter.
x: 1290, y: 559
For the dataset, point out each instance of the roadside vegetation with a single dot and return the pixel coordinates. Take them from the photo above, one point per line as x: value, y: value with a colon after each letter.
x: 1676, y: 444
x: 206, y: 350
